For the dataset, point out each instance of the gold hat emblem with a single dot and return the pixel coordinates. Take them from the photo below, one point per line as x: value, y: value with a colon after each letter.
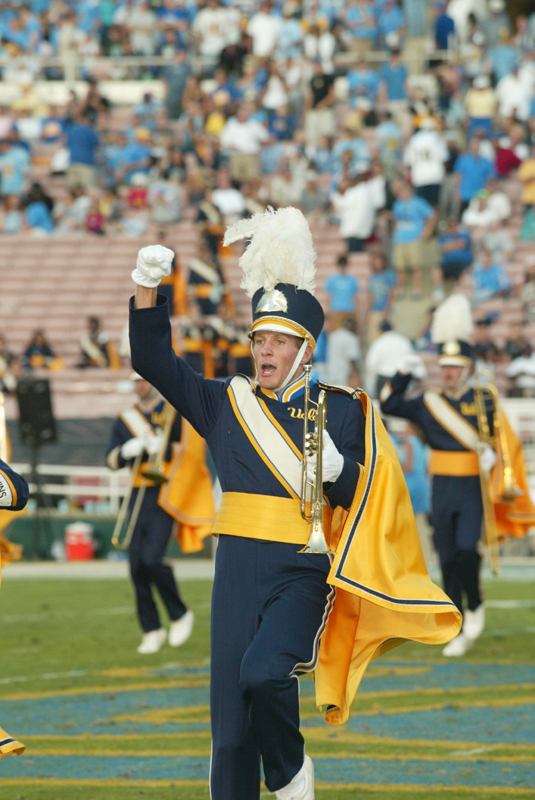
x: 451, y: 349
x: 273, y: 300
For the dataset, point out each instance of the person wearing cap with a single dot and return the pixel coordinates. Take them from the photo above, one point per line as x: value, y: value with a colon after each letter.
x: 447, y: 418
x: 184, y: 499
x: 275, y: 615
x: 481, y: 104
x: 462, y: 461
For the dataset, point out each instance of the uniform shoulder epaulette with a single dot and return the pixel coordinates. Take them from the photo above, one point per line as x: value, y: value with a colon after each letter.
x: 331, y: 387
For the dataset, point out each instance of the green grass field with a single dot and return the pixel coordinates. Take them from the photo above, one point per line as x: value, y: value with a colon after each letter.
x: 101, y: 722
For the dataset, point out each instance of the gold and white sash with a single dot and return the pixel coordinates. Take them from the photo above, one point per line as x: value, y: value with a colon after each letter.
x: 451, y: 420
x: 267, y: 436
x: 137, y: 423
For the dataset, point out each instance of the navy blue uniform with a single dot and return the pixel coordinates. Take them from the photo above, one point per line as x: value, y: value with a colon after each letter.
x: 151, y: 535
x: 14, y: 490
x: 270, y: 602
x: 456, y: 504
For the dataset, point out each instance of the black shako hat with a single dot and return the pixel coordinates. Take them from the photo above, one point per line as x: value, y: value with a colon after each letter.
x: 455, y: 353
x: 288, y: 310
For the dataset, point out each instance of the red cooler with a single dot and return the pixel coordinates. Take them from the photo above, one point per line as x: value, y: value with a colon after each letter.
x: 79, y: 542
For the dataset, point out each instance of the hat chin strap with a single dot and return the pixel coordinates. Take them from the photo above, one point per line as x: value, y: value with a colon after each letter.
x: 295, y: 365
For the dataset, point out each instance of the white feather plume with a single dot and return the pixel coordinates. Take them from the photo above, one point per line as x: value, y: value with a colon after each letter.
x: 280, y: 250
x: 452, y: 320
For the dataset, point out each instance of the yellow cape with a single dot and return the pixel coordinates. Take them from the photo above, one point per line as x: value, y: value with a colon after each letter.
x: 517, y: 517
x: 187, y: 495
x: 384, y: 595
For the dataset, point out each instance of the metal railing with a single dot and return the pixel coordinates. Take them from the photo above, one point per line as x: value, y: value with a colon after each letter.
x: 111, y: 487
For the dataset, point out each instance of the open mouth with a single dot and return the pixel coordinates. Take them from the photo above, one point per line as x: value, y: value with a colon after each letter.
x: 267, y: 369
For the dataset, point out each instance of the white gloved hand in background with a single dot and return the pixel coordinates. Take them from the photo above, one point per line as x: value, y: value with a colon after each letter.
x: 333, y: 461
x: 412, y: 364
x: 132, y: 448
x: 153, y: 264
x: 487, y: 457
x: 153, y: 443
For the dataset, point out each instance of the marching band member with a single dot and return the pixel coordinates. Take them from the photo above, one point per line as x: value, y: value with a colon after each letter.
x: 448, y: 419
x: 185, y: 498
x: 278, y: 612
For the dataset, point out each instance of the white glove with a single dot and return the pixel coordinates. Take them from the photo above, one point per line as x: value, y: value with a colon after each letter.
x: 333, y: 461
x: 153, y: 443
x: 153, y: 264
x: 132, y: 448
x: 411, y: 364
x: 487, y: 457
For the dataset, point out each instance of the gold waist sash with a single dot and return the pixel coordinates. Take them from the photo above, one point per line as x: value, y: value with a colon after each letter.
x: 451, y: 462
x: 258, y: 516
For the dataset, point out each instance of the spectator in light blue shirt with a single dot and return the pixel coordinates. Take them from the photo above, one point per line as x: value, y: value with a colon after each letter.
x: 342, y: 290
x: 381, y: 286
x: 360, y: 22
x: 390, y: 22
x: 15, y: 165
x: 504, y: 57
x: 350, y: 143
x: 472, y: 172
x: 488, y: 279
x: 362, y: 82
x: 393, y: 77
x: 38, y: 217
x: 414, y: 220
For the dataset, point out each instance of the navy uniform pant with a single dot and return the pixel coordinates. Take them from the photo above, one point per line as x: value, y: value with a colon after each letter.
x: 457, y: 515
x: 147, y: 569
x: 269, y: 606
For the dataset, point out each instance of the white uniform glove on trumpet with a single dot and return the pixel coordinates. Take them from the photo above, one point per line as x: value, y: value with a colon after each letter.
x: 333, y: 461
x: 153, y: 264
x: 153, y: 443
x: 487, y: 457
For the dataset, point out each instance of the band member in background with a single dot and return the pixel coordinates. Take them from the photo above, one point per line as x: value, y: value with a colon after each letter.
x: 98, y: 350
x: 205, y: 281
x: 448, y: 418
x: 14, y: 494
x: 275, y: 613
x: 185, y: 499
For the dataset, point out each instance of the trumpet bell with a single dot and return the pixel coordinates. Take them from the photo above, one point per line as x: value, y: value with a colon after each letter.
x: 316, y: 542
x: 157, y: 475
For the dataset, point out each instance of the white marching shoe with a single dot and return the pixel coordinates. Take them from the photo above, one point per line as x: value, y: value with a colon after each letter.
x: 474, y: 622
x: 152, y: 641
x: 458, y: 646
x: 301, y: 787
x: 181, y: 629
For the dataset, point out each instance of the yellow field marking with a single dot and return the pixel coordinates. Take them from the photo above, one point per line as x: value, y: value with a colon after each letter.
x: 134, y: 687
x: 370, y: 787
x: 311, y: 734
x: 504, y: 687
x: 349, y: 737
x: 381, y: 672
x: 370, y: 712
x: 161, y: 715
x: 349, y: 755
x: 89, y: 737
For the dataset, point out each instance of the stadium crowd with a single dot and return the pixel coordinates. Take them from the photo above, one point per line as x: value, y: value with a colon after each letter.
x: 407, y: 126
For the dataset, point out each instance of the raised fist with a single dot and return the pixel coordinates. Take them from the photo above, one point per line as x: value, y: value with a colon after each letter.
x: 153, y: 264
x: 412, y: 364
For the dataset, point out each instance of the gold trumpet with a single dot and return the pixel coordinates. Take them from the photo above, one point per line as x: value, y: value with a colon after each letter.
x: 153, y: 472
x: 313, y: 443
